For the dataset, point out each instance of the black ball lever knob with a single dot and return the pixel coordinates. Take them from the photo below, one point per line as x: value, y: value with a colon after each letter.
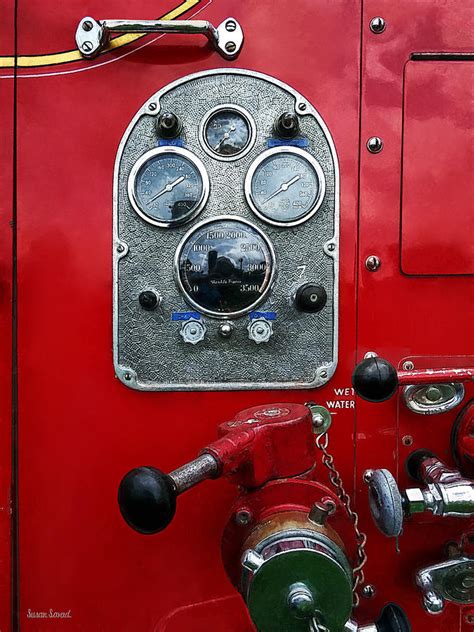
x: 147, y: 500
x: 375, y: 379
x: 393, y: 619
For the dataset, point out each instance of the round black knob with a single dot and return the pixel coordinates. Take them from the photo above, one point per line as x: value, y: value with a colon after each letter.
x: 148, y: 300
x: 287, y: 125
x: 168, y: 125
x: 414, y: 462
x: 375, y: 379
x: 310, y: 298
x: 393, y: 619
x: 147, y: 499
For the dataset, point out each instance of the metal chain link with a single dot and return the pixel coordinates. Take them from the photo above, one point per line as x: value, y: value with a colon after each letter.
x: 316, y: 626
x: 322, y: 442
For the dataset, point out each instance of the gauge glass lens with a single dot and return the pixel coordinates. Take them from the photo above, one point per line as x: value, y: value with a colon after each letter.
x: 227, y: 132
x: 169, y: 188
x: 286, y: 187
x: 225, y: 267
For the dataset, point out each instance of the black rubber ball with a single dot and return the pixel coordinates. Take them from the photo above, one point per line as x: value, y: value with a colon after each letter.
x: 375, y: 380
x: 147, y: 500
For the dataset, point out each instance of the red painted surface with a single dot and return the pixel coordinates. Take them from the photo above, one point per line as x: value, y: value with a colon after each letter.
x: 7, y: 45
x: 435, y: 376
x: 438, y: 165
x: 80, y: 430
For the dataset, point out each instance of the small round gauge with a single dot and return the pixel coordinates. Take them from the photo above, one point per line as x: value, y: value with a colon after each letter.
x: 227, y: 132
x: 168, y: 186
x: 285, y: 186
x: 224, y: 267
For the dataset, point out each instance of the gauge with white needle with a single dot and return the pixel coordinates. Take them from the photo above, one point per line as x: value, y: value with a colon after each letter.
x: 168, y: 186
x: 285, y: 186
x: 227, y: 132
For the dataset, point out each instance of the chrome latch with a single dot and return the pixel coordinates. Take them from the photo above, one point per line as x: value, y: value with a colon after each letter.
x: 92, y: 36
x: 452, y: 580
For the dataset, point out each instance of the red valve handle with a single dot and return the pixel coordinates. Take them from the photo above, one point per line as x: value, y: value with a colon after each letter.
x: 376, y: 380
x: 259, y: 445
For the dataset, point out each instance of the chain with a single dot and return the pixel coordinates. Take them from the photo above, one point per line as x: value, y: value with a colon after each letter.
x: 316, y: 626
x: 322, y: 442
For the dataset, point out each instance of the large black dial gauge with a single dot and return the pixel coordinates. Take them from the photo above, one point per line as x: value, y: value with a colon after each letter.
x: 225, y: 267
x: 168, y: 186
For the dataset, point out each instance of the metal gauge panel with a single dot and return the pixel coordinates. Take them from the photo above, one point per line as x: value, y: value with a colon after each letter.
x: 213, y: 290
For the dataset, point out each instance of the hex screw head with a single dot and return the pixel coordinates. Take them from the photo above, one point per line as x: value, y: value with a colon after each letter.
x: 377, y: 25
x: 408, y: 365
x: 375, y: 144
x: 373, y: 263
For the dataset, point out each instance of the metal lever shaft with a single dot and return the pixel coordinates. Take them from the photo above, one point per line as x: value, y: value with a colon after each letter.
x: 92, y: 36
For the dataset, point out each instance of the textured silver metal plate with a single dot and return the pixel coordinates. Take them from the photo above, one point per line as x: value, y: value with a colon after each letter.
x: 149, y: 353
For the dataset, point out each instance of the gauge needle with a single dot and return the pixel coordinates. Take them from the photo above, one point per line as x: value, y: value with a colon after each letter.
x: 169, y: 187
x: 225, y: 137
x: 284, y: 187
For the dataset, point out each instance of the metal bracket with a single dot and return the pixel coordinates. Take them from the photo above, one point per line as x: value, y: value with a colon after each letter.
x: 92, y: 36
x: 452, y: 580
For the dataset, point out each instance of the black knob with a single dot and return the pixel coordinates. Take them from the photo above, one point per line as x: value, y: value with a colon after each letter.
x: 414, y: 462
x: 375, y: 379
x: 147, y: 499
x: 393, y: 619
x: 287, y: 125
x: 168, y: 125
x: 148, y: 300
x: 310, y: 298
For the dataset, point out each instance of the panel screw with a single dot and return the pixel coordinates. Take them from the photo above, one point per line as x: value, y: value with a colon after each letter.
x: 323, y: 374
x: 152, y: 106
x: 368, y: 591
x: 408, y: 365
x: 302, y: 107
x: 375, y: 144
x: 120, y: 248
x: 127, y: 376
x: 372, y: 263
x: 230, y: 47
x: 87, y: 25
x: 87, y: 47
x: 407, y: 440
x: 230, y: 26
x: 377, y: 25
x: 469, y: 618
x: 332, y: 247
x: 370, y: 354
x: 243, y: 517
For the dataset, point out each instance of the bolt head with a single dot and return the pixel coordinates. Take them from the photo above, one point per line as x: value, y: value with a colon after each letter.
x: 225, y: 330
x: 368, y: 591
x: 375, y: 144
x: 433, y: 393
x: 372, y: 263
x: 368, y: 474
x: 378, y: 25
x: 301, y: 601
x: 243, y: 517
x: 408, y: 365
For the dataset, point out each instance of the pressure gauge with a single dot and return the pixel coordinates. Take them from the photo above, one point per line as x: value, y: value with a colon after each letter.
x: 168, y: 186
x: 225, y: 267
x: 227, y: 132
x: 285, y: 186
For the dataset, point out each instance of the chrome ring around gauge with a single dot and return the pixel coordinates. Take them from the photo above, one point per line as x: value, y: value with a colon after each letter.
x: 168, y: 186
x: 225, y: 266
x: 285, y: 186
x: 227, y: 132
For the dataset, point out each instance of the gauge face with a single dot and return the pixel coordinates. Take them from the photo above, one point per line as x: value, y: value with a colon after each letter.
x: 285, y: 186
x: 168, y: 186
x: 225, y: 267
x: 228, y: 132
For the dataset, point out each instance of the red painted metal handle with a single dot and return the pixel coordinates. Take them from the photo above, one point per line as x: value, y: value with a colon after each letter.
x: 435, y: 376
